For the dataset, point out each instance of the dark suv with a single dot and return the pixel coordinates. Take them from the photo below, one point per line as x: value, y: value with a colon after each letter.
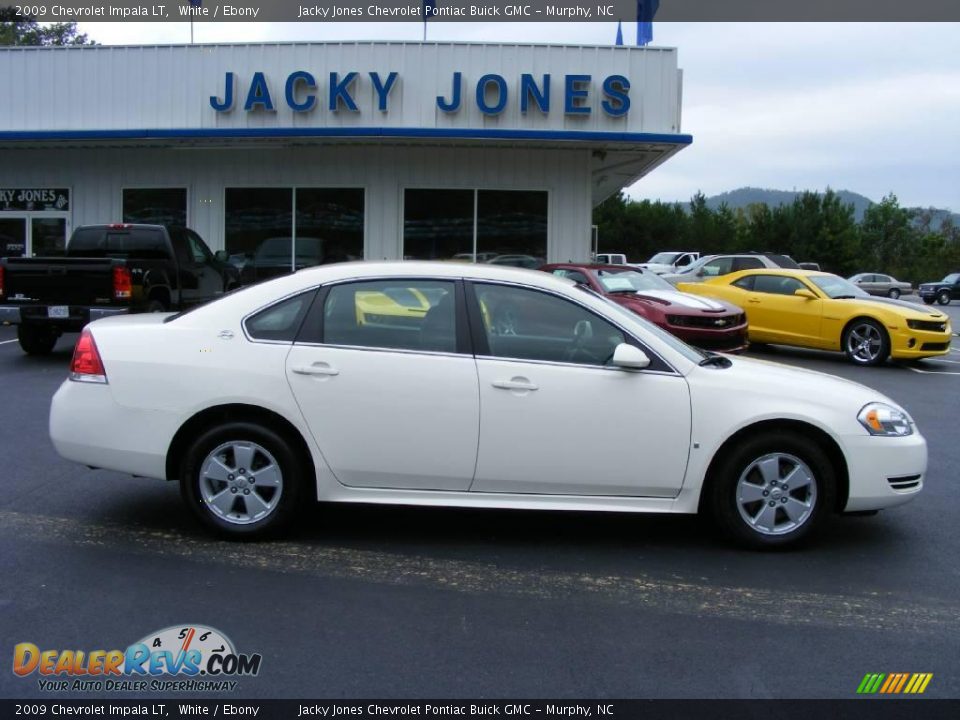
x: 943, y: 292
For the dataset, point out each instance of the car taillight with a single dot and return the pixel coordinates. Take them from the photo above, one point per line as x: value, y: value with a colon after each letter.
x: 87, y: 365
x: 122, y: 283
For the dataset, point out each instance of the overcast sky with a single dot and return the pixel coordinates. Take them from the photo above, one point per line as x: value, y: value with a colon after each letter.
x: 873, y: 108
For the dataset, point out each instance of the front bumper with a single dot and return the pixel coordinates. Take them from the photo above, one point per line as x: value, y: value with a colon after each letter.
x: 730, y: 339
x: 907, y: 344
x: 884, y: 471
x: 77, y: 315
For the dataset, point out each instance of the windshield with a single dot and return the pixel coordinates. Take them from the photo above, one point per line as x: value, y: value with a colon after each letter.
x: 631, y: 281
x: 836, y: 287
x: 664, y: 258
x: 951, y: 278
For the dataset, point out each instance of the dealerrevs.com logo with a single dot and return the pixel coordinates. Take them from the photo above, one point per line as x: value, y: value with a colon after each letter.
x: 199, y: 657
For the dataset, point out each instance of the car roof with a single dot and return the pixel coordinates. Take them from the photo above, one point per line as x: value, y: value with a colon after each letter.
x: 779, y: 272
x: 596, y: 266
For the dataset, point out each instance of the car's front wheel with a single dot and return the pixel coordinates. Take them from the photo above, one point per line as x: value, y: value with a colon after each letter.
x: 944, y: 297
x: 928, y: 300
x: 865, y: 342
x: 242, y: 480
x: 772, y: 490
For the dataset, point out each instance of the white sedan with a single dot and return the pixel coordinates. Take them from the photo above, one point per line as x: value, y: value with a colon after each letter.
x: 474, y: 386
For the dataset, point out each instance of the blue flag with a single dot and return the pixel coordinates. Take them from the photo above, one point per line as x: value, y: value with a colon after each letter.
x: 646, y: 9
x: 196, y: 3
x: 619, y: 33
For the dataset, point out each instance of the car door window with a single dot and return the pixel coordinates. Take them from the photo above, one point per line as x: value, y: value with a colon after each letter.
x: 747, y: 264
x: 776, y: 285
x: 281, y: 321
x: 575, y: 275
x: 199, y: 252
x: 526, y: 324
x: 401, y: 314
x: 745, y: 283
x: 717, y: 266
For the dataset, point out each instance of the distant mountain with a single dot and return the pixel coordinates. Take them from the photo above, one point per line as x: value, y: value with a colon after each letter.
x: 746, y: 196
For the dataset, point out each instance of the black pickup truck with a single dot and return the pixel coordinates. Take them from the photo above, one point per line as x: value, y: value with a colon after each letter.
x: 108, y: 270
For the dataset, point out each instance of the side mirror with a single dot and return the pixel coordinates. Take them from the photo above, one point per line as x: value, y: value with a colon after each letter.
x: 221, y: 255
x: 629, y: 357
x: 701, y: 272
x: 804, y: 293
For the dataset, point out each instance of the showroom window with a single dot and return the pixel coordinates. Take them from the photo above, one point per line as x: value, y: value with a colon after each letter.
x: 394, y: 314
x: 502, y: 227
x: 274, y: 231
x: 155, y: 206
x: 532, y: 325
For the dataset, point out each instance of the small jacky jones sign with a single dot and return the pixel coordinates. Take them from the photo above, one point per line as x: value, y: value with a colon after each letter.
x: 34, y: 199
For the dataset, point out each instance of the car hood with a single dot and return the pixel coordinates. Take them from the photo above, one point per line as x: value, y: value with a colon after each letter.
x: 908, y: 309
x: 684, y: 301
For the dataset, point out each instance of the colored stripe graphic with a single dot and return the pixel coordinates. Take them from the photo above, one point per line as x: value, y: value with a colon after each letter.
x: 894, y: 683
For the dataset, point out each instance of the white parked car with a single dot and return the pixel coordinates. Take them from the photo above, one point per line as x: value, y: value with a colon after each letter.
x: 469, y: 385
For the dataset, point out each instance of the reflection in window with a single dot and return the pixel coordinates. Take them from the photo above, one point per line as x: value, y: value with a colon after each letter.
x: 260, y: 229
x: 155, y: 206
x: 510, y: 229
x: 531, y: 325
x: 512, y: 225
x: 401, y: 314
x: 329, y: 225
x: 438, y: 224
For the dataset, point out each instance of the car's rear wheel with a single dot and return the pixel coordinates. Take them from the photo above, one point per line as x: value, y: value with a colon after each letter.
x: 944, y: 297
x: 894, y: 293
x: 36, y: 339
x: 242, y: 480
x: 773, y: 490
x: 865, y: 342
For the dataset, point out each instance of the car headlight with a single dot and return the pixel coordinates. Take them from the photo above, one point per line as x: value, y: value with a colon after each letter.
x: 886, y: 420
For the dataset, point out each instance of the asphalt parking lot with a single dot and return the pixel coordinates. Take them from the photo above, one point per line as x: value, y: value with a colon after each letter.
x: 395, y: 602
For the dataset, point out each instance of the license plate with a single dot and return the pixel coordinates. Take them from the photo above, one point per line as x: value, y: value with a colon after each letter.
x: 58, y: 311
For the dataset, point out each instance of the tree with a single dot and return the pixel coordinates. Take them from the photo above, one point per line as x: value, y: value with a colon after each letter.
x: 19, y: 30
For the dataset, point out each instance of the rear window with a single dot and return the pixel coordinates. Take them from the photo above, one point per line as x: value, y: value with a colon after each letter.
x: 135, y: 243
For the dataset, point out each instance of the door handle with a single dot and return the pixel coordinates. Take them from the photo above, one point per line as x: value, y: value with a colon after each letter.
x: 516, y: 383
x: 315, y: 369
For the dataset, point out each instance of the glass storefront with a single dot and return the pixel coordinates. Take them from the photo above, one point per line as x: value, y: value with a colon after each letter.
x: 155, y: 206
x: 273, y: 231
x: 13, y: 236
x: 34, y: 221
x: 502, y: 227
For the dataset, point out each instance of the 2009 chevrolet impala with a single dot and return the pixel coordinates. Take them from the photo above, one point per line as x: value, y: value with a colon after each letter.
x: 506, y: 389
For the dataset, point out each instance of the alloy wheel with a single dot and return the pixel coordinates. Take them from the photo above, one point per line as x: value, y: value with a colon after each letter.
x: 776, y: 494
x: 864, y: 343
x: 240, y: 482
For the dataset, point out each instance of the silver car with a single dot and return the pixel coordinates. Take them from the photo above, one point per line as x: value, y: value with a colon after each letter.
x: 884, y: 285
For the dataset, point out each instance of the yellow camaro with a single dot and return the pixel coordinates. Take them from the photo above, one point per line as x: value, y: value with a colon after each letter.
x: 824, y: 311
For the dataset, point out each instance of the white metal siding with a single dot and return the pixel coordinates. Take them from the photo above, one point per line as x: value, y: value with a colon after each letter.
x: 97, y: 177
x: 168, y: 87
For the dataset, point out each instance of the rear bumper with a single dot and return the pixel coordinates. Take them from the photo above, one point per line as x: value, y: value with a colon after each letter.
x: 89, y: 427
x: 884, y: 472
x: 77, y: 315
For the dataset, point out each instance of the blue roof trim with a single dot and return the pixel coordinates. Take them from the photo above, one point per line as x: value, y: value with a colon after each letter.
x: 350, y: 132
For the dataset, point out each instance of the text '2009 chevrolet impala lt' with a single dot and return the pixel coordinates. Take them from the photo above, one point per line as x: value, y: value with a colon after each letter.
x: 473, y: 386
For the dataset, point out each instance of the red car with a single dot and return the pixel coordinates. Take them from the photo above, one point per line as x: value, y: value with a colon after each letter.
x: 709, y: 324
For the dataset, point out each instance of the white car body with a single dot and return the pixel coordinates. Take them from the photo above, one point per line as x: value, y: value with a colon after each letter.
x: 374, y: 428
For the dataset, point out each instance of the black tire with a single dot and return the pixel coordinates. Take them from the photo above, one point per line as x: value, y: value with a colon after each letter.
x: 36, y: 339
x: 156, y: 306
x: 195, y: 486
x: 724, y: 503
x: 928, y: 300
x: 870, y: 354
x: 943, y: 297
x: 894, y: 293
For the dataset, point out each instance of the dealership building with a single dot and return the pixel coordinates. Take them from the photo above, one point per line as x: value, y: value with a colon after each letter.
x: 376, y: 150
